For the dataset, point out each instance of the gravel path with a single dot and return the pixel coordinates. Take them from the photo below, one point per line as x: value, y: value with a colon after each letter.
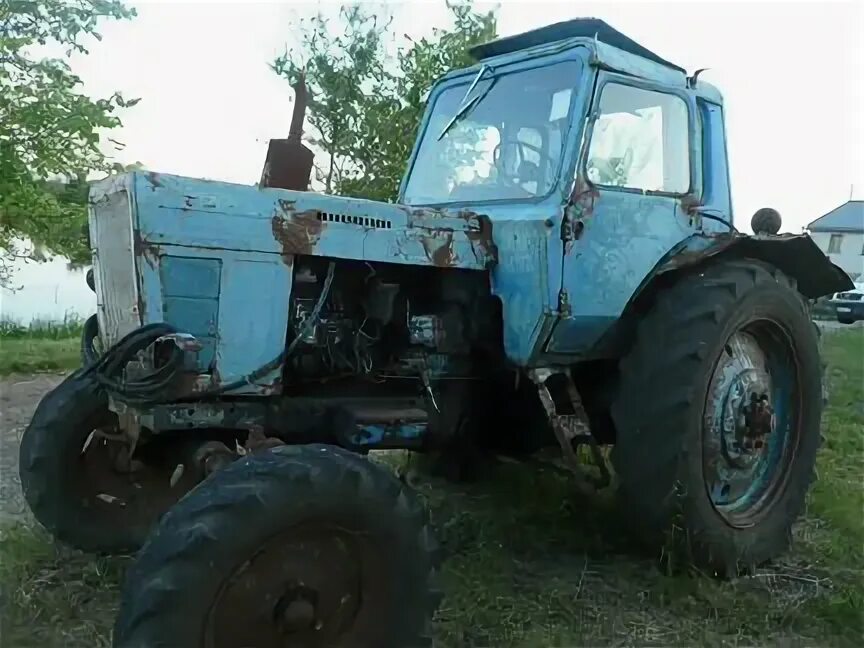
x: 19, y: 396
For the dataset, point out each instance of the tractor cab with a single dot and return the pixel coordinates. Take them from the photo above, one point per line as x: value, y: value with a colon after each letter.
x: 576, y: 98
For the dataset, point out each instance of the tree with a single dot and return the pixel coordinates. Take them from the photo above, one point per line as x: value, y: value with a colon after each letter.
x: 365, y: 105
x: 49, y: 130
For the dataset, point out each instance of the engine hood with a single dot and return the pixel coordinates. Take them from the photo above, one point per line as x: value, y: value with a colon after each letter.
x: 190, y: 212
x: 322, y: 225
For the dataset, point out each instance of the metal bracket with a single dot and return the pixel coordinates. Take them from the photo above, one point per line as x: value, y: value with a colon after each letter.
x: 571, y: 430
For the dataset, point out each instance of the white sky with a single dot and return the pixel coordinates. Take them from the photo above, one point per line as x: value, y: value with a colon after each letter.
x: 792, y: 75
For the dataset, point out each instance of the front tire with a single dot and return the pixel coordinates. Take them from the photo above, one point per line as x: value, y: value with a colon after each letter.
x: 301, y: 545
x: 70, y: 473
x: 718, y: 416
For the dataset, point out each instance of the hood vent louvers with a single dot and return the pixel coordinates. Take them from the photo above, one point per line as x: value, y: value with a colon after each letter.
x: 360, y: 221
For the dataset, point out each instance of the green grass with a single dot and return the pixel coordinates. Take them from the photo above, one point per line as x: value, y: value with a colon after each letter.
x: 31, y: 355
x: 42, y: 329
x: 531, y: 563
x: 42, y: 345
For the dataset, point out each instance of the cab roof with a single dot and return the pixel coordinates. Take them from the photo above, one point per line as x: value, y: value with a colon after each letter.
x: 577, y: 28
x: 611, y: 49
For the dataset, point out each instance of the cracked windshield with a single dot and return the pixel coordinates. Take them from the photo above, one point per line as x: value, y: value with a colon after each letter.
x: 505, y: 142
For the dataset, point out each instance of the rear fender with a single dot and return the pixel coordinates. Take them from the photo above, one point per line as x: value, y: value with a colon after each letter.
x: 797, y: 255
x: 794, y: 254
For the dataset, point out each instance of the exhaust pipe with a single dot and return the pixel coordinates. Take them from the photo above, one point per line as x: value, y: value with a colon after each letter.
x: 289, y: 162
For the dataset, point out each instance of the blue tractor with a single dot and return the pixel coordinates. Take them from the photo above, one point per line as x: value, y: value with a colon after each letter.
x: 561, y: 269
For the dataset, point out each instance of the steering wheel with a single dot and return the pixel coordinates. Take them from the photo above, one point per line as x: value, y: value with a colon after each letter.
x: 612, y: 171
x: 514, y: 179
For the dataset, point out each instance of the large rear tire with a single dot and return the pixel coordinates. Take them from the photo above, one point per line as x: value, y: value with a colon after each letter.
x: 718, y: 416
x: 301, y: 545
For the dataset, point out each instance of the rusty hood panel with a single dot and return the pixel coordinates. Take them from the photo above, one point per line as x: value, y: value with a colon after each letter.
x: 174, y: 210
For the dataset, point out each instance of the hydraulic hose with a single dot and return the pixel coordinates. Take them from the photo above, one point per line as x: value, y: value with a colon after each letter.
x: 108, y: 370
x: 155, y: 385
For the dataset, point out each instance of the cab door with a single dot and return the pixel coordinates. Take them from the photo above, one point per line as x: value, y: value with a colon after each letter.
x: 636, y: 173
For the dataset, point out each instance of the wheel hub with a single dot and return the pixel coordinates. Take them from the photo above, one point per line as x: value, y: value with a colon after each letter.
x: 297, y: 611
x: 740, y: 440
x: 303, y: 589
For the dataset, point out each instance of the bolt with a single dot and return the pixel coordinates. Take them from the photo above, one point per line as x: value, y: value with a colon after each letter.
x: 298, y: 615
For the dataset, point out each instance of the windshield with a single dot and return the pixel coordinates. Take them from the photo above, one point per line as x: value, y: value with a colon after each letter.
x: 505, y: 143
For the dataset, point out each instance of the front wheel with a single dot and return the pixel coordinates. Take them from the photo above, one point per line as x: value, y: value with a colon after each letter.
x: 718, y: 415
x: 299, y: 546
x: 77, y: 477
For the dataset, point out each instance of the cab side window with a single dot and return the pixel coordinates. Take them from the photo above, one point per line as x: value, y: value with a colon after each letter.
x: 640, y: 141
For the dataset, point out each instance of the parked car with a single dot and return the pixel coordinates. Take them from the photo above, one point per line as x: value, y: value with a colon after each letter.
x: 849, y: 304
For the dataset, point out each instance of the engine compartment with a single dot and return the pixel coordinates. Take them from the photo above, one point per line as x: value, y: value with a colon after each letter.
x: 382, y: 321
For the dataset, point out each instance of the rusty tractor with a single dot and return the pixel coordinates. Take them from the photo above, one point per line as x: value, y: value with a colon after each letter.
x: 561, y: 269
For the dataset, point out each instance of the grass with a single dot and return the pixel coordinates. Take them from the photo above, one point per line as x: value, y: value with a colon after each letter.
x: 43, y: 345
x: 27, y: 355
x: 531, y: 563
x: 42, y: 329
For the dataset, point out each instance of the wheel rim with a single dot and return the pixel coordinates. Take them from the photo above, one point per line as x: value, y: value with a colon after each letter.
x: 749, y: 430
x: 128, y: 493
x: 304, y: 588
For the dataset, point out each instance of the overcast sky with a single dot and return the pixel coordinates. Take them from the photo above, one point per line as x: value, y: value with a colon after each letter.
x: 792, y: 75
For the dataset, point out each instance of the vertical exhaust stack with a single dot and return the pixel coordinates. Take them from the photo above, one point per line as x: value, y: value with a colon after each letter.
x: 289, y: 162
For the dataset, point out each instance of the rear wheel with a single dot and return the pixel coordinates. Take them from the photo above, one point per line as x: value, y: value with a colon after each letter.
x: 718, y: 415
x: 299, y: 546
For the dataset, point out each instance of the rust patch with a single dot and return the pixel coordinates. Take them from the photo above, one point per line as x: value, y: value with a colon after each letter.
x: 441, y: 228
x: 438, y: 246
x: 584, y: 197
x: 154, y: 179
x: 579, y: 207
x: 688, y: 203
x: 689, y: 206
x: 685, y: 258
x: 481, y: 239
x: 148, y: 251
x: 297, y: 232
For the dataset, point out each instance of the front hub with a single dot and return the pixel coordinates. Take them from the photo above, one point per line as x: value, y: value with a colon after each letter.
x: 303, y: 588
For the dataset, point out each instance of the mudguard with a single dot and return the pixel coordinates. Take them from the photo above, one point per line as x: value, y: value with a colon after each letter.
x: 795, y: 254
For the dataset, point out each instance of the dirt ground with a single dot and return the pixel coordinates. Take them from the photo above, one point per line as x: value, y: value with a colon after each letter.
x: 19, y: 395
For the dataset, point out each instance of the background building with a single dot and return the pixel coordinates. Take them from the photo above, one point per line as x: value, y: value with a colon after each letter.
x: 840, y: 235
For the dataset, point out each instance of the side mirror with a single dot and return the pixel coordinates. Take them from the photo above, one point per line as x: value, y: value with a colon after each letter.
x: 766, y: 221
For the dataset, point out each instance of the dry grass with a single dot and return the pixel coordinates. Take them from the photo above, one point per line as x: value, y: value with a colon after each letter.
x: 530, y: 563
